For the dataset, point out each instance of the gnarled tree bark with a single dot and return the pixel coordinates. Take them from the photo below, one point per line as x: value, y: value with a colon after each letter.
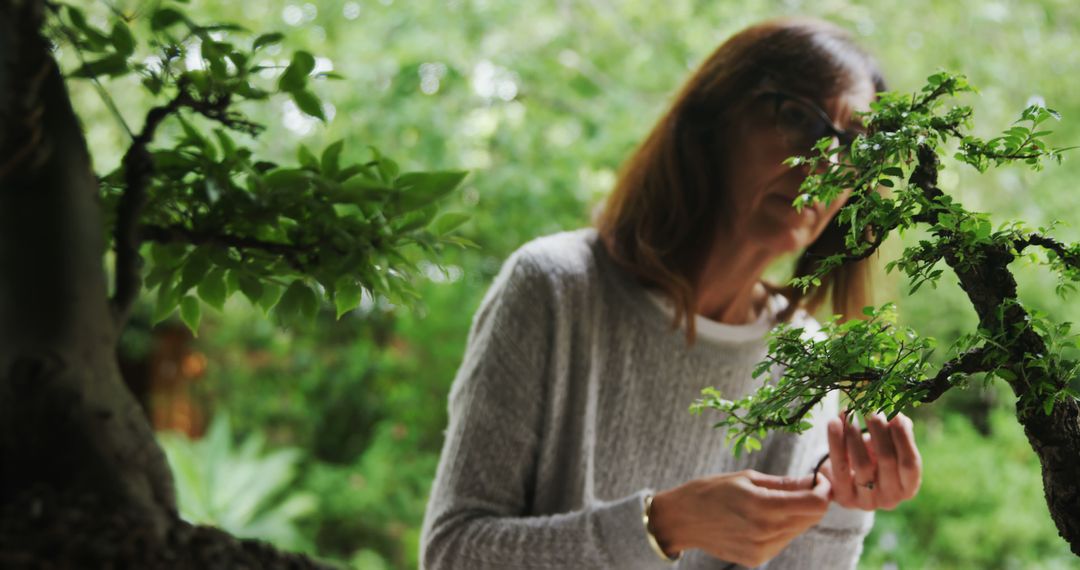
x: 66, y: 418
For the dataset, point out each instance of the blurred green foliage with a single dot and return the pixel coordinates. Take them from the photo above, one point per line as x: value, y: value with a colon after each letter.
x: 239, y: 486
x: 542, y: 103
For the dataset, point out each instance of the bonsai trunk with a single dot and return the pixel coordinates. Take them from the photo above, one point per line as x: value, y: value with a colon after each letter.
x: 66, y: 419
x: 1055, y: 437
x: 1056, y: 440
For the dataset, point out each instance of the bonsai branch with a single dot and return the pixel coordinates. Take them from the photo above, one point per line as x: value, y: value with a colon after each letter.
x: 293, y: 254
x: 969, y: 362
x: 1069, y: 257
x: 138, y: 168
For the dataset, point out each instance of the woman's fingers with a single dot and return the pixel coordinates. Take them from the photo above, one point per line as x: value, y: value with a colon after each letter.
x: 862, y: 465
x: 879, y: 469
x: 909, y: 463
x: 842, y: 485
x: 781, y: 483
x: 889, y: 489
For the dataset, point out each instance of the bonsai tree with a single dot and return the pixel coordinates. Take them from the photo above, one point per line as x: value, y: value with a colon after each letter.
x: 883, y: 367
x: 191, y: 212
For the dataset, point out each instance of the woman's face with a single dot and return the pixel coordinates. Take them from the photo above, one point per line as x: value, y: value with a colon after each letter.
x: 761, y: 188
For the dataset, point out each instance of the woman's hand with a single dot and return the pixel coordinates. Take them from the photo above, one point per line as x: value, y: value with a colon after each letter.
x: 877, y: 470
x: 745, y: 517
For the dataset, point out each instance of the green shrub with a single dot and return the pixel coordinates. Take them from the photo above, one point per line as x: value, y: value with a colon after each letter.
x: 242, y: 488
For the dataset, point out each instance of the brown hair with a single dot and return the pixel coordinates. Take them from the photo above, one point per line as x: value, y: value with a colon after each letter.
x: 660, y: 221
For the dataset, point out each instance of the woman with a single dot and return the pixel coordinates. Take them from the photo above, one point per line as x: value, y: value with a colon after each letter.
x: 569, y: 444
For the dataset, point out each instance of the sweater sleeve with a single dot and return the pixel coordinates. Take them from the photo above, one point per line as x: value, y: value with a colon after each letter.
x: 478, y: 513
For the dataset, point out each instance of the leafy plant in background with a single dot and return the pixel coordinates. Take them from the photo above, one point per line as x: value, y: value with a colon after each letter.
x: 239, y: 487
x: 882, y: 367
x: 192, y: 197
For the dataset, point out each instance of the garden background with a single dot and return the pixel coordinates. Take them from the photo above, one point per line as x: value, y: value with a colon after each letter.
x: 325, y: 439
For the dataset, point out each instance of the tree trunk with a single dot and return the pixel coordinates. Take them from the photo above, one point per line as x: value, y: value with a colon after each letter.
x: 83, y: 483
x: 66, y: 419
x: 1056, y: 440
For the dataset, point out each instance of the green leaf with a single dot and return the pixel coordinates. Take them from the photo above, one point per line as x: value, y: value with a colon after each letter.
x: 295, y: 76
x: 331, y: 159
x: 191, y: 313
x: 198, y: 263
x: 270, y: 296
x: 303, y: 61
x: 212, y: 288
x: 306, y: 157
x: 94, y: 38
x: 251, y: 287
x: 228, y: 146
x: 307, y: 102
x: 362, y: 189
x: 287, y: 179
x: 158, y: 274
x: 418, y: 189
x: 416, y: 219
x: 388, y: 169
x: 163, y: 18
x: 347, y: 295
x: 232, y: 282
x: 167, y: 299
x: 298, y: 302
x: 449, y: 222
x: 110, y: 65
x: 122, y: 39
x: 267, y: 39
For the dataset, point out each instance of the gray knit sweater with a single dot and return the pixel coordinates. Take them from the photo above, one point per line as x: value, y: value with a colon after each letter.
x: 571, y: 405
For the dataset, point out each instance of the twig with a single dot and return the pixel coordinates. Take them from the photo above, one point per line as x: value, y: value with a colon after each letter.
x: 970, y: 362
x: 1071, y: 258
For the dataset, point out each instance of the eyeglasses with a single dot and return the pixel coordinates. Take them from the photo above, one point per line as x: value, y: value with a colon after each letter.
x: 802, y: 124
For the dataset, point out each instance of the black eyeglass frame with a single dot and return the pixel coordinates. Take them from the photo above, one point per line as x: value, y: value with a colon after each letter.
x: 844, y: 136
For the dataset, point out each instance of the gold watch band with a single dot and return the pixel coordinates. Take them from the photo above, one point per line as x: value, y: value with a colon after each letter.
x: 649, y: 534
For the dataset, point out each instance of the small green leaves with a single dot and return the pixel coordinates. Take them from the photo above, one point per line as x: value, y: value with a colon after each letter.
x: 874, y: 362
x: 287, y: 237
